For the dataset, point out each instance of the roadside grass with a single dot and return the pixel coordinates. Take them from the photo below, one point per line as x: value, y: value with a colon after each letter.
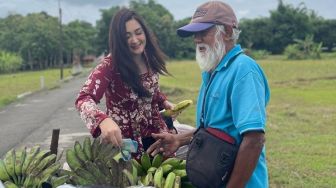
x: 12, y: 85
x: 301, y: 127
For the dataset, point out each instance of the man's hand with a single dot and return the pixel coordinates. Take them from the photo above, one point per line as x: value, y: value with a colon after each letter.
x: 166, y: 143
x: 111, y: 132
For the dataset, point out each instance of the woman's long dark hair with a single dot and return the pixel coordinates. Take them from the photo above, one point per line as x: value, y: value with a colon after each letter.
x: 122, y: 56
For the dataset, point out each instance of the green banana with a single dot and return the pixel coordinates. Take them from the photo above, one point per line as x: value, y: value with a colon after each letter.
x: 95, y: 148
x: 169, y: 183
x: 36, y: 160
x: 72, y: 160
x: 45, y: 162
x: 145, y: 161
x: 180, y: 172
x: 138, y: 166
x: 19, y: 160
x: 57, y: 181
x: 80, y: 172
x: 104, y: 169
x: 177, y: 183
x: 28, y: 182
x: 148, y: 179
x: 158, y: 178
x: 166, y: 168
x: 87, y: 148
x: 179, y: 107
x: 157, y: 160
x: 92, y: 167
x: 79, y: 180
x: 132, y: 180
x: 182, y: 165
x: 4, y: 176
x: 48, y: 172
x: 29, y: 158
x: 175, y: 162
x: 9, y: 184
x: 9, y: 161
x: 79, y: 152
x: 152, y: 169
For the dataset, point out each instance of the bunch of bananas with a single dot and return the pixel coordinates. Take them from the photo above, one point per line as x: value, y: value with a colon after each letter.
x: 30, y: 168
x: 96, y: 163
x: 169, y: 173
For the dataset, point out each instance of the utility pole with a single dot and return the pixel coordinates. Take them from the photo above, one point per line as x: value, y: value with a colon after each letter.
x: 61, y: 40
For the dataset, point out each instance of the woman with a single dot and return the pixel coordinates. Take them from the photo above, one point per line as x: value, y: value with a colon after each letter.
x: 129, y: 78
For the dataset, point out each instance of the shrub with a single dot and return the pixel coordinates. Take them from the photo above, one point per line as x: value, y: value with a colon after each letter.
x: 9, y: 62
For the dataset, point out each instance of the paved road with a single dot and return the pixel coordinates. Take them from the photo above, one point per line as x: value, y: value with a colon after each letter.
x: 31, y: 120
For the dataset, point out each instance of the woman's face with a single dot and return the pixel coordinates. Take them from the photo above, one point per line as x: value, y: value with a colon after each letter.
x: 136, y: 38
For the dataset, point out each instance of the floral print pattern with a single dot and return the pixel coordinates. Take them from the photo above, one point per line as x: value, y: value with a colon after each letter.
x: 136, y: 116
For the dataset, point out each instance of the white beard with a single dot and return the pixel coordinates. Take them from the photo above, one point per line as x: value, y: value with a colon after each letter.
x: 209, y: 59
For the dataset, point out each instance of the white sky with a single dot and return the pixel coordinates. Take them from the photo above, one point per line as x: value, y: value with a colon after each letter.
x: 88, y: 10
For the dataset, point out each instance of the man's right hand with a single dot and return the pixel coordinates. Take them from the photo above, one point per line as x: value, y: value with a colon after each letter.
x: 166, y: 143
x: 111, y: 132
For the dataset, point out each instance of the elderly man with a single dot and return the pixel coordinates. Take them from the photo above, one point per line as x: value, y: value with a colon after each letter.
x: 233, y: 95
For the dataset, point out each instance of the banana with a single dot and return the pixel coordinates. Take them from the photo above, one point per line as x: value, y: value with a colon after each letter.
x: 157, y: 160
x: 148, y: 179
x: 92, y: 167
x: 79, y: 180
x: 72, y: 160
x: 138, y: 166
x: 179, y: 107
x: 28, y: 182
x: 158, y: 178
x: 166, y: 168
x: 9, y: 161
x: 9, y: 184
x: 132, y: 180
x: 19, y: 160
x: 79, y: 152
x: 180, y: 172
x: 152, y: 169
x: 104, y: 169
x: 57, y: 181
x: 145, y: 161
x: 169, y: 183
x: 48, y: 172
x: 85, y: 174
x: 182, y: 165
x: 29, y: 158
x: 45, y: 162
x: 87, y: 148
x: 37, y: 159
x: 177, y: 182
x: 175, y: 162
x: 4, y: 176
x: 95, y: 148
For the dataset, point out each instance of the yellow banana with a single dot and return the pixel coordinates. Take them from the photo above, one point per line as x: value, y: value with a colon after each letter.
x: 177, y: 183
x: 158, y: 178
x: 145, y: 161
x: 4, y: 176
x: 87, y: 148
x: 157, y: 160
x: 175, y: 162
x: 72, y: 159
x: 169, y: 183
x: 79, y: 152
x: 179, y: 107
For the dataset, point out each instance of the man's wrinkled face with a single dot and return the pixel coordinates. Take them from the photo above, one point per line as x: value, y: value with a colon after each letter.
x: 210, y: 48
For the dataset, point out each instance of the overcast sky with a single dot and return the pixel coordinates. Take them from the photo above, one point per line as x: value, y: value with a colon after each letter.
x: 88, y: 10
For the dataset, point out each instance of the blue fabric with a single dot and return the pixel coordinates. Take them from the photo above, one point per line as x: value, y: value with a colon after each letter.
x: 235, y: 102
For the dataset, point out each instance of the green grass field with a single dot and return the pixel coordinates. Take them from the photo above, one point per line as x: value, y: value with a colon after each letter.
x: 300, y: 137
x: 12, y: 85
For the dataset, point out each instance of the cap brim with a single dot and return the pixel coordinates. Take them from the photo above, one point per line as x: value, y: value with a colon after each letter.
x: 192, y: 28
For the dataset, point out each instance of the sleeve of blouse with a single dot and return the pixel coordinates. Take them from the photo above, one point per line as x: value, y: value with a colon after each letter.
x: 91, y: 94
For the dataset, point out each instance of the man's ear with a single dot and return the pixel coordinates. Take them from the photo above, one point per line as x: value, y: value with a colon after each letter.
x: 228, y: 32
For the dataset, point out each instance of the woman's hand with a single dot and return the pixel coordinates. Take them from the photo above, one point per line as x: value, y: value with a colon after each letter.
x: 169, y: 106
x: 111, y: 132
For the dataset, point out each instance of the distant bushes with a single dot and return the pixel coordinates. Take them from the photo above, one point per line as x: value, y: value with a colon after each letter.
x: 304, y: 49
x: 9, y: 62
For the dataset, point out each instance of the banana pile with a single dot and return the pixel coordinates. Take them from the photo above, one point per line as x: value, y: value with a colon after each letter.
x: 169, y: 173
x: 96, y: 163
x: 30, y: 168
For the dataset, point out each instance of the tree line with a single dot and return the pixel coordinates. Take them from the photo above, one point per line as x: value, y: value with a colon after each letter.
x: 32, y: 41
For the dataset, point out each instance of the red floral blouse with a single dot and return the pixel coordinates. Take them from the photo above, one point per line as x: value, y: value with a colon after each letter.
x: 137, y: 117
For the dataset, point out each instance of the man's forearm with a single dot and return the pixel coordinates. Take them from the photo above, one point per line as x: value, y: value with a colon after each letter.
x: 247, y: 159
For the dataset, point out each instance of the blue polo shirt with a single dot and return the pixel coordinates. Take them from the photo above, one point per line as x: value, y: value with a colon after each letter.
x: 235, y: 102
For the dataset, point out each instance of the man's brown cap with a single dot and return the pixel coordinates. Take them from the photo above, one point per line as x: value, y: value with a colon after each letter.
x: 207, y: 15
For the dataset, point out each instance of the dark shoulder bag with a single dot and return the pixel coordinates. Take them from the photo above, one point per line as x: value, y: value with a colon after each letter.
x: 211, y: 154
